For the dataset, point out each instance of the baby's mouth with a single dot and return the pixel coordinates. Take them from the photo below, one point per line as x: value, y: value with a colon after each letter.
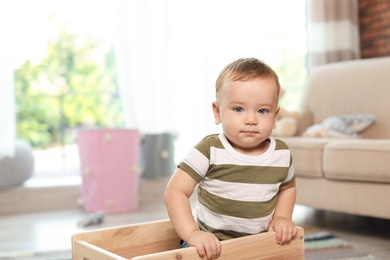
x: 249, y: 132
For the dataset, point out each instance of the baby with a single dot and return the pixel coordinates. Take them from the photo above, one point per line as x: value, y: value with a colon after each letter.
x: 245, y: 178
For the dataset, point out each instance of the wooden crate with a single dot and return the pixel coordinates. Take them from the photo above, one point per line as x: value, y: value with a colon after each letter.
x: 158, y: 240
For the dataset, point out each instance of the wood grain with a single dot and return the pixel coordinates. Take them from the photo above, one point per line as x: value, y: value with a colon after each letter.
x: 158, y: 240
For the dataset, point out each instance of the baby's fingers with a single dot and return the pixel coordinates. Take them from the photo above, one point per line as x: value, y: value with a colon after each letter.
x: 279, y: 235
x: 213, y: 249
x: 200, y: 249
x: 286, y: 234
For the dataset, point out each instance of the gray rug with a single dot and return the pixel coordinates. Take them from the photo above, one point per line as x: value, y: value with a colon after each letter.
x: 322, y: 245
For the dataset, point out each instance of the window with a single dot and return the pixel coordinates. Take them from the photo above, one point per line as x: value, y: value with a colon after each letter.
x: 64, y: 80
x: 65, y: 76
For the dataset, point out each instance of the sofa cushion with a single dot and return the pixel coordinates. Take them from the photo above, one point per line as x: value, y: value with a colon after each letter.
x: 357, y: 160
x: 307, y: 155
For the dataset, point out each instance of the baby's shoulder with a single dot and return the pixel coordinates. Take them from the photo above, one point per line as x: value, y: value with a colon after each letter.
x: 280, y: 145
x: 211, y: 137
x: 208, y: 141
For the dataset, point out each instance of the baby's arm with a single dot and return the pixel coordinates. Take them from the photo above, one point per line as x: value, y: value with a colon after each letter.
x: 282, y: 223
x: 179, y: 189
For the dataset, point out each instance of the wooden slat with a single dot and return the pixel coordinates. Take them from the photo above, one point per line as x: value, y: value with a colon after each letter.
x: 158, y: 240
x: 85, y: 251
x: 133, y: 240
x: 261, y: 246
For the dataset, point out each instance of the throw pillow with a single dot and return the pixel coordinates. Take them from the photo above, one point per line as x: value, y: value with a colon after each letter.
x: 345, y: 126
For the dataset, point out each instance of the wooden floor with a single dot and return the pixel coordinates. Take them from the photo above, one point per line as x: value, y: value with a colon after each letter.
x: 52, y: 230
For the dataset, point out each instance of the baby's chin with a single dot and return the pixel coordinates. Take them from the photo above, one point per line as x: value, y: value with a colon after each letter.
x: 253, y: 148
x: 245, y: 148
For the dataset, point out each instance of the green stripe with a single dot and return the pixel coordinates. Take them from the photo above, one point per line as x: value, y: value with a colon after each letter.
x: 208, y: 142
x: 234, y: 208
x: 190, y: 171
x: 280, y: 145
x: 221, y: 234
x: 248, y: 174
x: 289, y: 182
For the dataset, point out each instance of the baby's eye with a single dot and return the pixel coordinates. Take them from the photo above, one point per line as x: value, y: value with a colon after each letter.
x: 238, y: 109
x: 263, y: 111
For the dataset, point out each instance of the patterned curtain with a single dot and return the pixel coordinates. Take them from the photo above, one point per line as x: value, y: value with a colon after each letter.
x: 332, y: 31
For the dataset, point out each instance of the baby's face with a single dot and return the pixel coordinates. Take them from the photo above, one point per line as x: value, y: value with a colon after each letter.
x: 248, y: 112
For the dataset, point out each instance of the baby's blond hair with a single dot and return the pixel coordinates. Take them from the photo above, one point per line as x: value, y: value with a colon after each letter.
x: 246, y: 69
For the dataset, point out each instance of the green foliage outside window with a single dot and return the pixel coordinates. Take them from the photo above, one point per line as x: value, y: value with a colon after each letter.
x: 72, y: 87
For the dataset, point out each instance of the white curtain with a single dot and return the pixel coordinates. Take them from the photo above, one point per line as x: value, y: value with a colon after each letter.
x: 333, y: 31
x: 7, y: 96
x: 161, y: 65
x: 169, y: 53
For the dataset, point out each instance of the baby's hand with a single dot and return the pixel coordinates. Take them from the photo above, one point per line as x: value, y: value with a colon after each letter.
x: 206, y: 244
x: 284, y: 229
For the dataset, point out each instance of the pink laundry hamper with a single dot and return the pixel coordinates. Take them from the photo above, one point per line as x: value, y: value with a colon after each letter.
x: 109, y: 165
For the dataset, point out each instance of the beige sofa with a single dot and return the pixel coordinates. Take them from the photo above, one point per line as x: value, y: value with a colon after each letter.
x: 350, y: 175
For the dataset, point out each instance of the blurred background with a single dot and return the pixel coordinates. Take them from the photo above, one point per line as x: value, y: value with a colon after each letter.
x: 149, y: 65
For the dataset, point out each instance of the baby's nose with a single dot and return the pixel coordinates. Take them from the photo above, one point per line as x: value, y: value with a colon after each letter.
x: 250, y: 119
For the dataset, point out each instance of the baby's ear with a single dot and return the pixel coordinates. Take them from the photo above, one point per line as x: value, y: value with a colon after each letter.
x: 217, y: 114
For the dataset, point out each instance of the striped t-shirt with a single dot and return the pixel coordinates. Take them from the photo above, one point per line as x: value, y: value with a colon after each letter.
x: 237, y: 193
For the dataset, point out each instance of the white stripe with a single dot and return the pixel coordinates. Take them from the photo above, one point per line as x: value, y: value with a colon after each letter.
x: 279, y: 158
x: 197, y: 161
x: 240, y: 191
x: 250, y: 226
